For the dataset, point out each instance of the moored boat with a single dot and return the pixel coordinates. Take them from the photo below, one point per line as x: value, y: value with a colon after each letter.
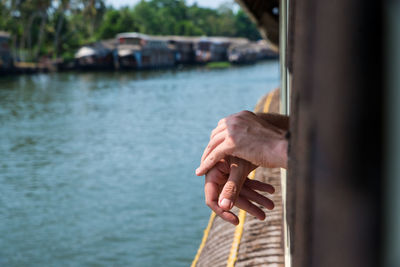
x: 265, y: 50
x: 98, y: 55
x: 211, y: 49
x: 140, y: 51
x: 242, y: 54
x: 182, y: 47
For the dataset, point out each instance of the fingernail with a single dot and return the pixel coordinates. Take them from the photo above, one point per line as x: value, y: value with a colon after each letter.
x: 197, y: 171
x: 226, y: 204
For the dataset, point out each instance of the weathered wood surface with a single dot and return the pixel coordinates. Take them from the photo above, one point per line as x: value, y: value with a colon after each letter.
x: 218, y: 244
x: 336, y: 158
x: 262, y: 241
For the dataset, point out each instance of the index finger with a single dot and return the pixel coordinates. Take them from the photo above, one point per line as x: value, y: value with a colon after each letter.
x: 216, y: 155
x: 214, y: 142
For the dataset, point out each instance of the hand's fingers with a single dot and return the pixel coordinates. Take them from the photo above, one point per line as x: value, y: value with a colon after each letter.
x: 232, y: 187
x: 215, y: 141
x: 221, y: 127
x: 211, y: 194
x: 225, y: 215
x: 256, y: 197
x: 244, y: 204
x: 212, y: 188
x: 222, y: 121
x: 216, y: 155
x: 260, y: 186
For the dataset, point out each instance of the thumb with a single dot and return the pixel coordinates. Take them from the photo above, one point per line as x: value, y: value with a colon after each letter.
x: 232, y: 187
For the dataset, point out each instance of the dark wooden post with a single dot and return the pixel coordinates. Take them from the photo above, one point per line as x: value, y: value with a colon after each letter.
x: 335, y: 167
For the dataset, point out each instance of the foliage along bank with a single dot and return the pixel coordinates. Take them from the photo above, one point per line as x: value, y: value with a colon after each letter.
x: 57, y: 28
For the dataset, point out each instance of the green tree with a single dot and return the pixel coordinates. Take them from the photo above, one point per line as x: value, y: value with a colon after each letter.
x: 245, y: 27
x: 226, y: 21
x: 59, y: 27
x: 187, y: 28
x: 117, y: 21
x: 204, y: 19
x: 146, y: 17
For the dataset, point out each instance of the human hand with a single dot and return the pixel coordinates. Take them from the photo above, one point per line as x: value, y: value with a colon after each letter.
x: 227, y: 185
x: 248, y: 136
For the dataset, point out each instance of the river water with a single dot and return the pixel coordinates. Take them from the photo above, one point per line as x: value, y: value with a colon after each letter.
x: 97, y: 169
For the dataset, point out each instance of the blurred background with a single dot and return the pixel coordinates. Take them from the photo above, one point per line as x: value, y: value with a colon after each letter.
x: 55, y: 29
x: 100, y: 133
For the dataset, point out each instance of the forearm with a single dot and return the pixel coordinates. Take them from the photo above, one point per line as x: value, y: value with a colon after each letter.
x: 278, y: 120
x: 280, y: 146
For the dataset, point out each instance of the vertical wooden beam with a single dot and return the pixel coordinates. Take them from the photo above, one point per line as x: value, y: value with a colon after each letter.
x: 392, y: 187
x: 335, y: 158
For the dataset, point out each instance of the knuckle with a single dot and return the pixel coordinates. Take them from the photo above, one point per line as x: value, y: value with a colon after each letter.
x: 242, y: 114
x: 234, y: 119
x: 231, y: 140
x: 233, y: 126
x: 212, y: 132
x: 246, y: 113
x: 230, y: 189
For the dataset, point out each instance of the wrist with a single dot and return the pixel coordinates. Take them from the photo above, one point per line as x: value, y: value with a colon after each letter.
x: 275, y: 153
x: 283, y: 153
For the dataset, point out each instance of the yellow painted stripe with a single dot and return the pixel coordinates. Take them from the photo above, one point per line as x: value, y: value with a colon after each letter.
x: 268, y: 102
x: 238, y: 234
x: 242, y: 214
x: 203, y: 241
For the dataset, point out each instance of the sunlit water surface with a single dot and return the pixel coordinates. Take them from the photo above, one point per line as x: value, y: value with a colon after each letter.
x: 97, y: 169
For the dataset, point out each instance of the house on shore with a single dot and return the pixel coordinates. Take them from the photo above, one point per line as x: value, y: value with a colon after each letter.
x: 242, y: 54
x: 182, y: 47
x: 246, y: 53
x: 209, y: 49
x: 140, y: 51
x: 265, y: 50
x: 96, y: 56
